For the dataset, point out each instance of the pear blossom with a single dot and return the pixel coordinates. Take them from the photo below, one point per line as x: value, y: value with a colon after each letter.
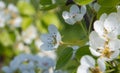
x: 22, y: 63
x: 2, y: 5
x: 103, y: 49
x: 12, y: 8
x: 74, y: 15
x: 89, y: 65
x: 107, y: 27
x: 29, y: 34
x: 51, y: 40
x: 22, y: 47
x: 16, y: 22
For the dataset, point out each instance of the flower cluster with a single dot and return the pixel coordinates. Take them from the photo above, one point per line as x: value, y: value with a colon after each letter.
x: 9, y: 15
x: 104, y: 44
x: 28, y: 63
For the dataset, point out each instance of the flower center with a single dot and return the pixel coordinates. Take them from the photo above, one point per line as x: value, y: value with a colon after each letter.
x: 54, y: 40
x: 95, y: 70
x: 107, y: 53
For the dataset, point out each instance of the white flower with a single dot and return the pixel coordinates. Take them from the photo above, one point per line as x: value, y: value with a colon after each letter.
x: 25, y: 63
x: 46, y: 62
x: 12, y: 8
x: 2, y: 21
x: 105, y: 49
x: 52, y: 40
x: 2, y: 5
x: 108, y: 27
x: 29, y: 34
x: 38, y: 42
x: 95, y: 6
x: 16, y: 22
x: 74, y: 15
x: 88, y: 65
x: 21, y: 47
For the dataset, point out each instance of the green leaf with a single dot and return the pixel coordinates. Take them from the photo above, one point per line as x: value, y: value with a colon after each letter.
x: 82, y: 51
x: 108, y: 3
x: 82, y: 2
x: 26, y: 22
x: 5, y: 38
x: 64, y: 57
x: 26, y: 8
x: 107, y: 10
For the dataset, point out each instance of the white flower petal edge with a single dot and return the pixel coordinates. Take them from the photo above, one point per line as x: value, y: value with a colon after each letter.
x: 87, y: 61
x: 88, y: 65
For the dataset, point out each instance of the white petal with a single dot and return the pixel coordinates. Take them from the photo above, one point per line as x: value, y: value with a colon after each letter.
x: 17, y: 22
x: 88, y: 61
x: 96, y: 6
x: 95, y: 40
x: 94, y: 52
x: 7, y: 69
x: 99, y: 27
x: 52, y: 29
x: 114, y: 44
x: 111, y: 23
x: 74, y: 9
x: 2, y: 5
x: 101, y: 64
x: 115, y: 54
x: 78, y: 17
x: 83, y: 10
x: 70, y: 21
x: 103, y: 17
x: 46, y: 47
x: 65, y: 15
x: 82, y: 69
x: 45, y: 37
x: 12, y: 8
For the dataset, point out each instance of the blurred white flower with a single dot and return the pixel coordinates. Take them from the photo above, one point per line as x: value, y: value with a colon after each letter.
x: 2, y: 5
x: 105, y: 49
x: 29, y: 34
x: 74, y: 15
x: 21, y: 47
x: 38, y: 42
x: 16, y: 22
x: 2, y: 21
x: 95, y: 6
x: 50, y: 54
x: 88, y: 65
x: 12, y: 8
x: 52, y: 40
x: 46, y: 62
x: 25, y: 63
